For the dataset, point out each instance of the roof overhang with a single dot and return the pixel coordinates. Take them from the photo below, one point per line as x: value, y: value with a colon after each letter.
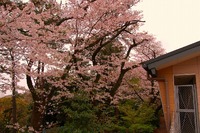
x: 172, y: 58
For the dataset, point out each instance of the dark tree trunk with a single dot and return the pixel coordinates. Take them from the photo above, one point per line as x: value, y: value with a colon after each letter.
x: 14, y: 105
x: 37, y: 117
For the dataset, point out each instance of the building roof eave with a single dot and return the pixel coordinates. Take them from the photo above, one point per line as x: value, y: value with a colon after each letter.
x: 173, y: 57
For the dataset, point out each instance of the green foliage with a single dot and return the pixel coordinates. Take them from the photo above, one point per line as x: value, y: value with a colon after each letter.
x: 23, y: 111
x: 80, y: 115
x: 137, y: 117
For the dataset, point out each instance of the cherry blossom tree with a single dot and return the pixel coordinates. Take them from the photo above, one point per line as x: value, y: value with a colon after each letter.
x: 143, y: 87
x: 80, y: 44
x: 11, y: 54
x: 149, y: 50
x: 24, y: 52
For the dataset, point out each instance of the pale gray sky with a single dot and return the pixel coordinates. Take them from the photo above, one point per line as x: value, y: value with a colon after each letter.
x: 176, y: 23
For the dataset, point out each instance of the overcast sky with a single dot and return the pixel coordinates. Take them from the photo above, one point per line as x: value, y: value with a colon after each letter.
x: 176, y: 23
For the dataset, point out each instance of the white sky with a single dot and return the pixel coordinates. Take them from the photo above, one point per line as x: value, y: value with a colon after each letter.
x: 176, y: 23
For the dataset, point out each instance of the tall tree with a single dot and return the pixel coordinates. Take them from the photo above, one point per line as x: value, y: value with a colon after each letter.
x: 10, y: 52
x: 38, y: 49
x: 63, y: 47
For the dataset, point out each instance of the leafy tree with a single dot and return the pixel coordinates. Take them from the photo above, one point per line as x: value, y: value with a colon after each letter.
x: 80, y: 114
x: 137, y: 117
x: 63, y: 48
x: 22, y: 112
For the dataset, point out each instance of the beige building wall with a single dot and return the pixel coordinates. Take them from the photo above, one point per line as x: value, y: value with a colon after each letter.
x: 166, y: 84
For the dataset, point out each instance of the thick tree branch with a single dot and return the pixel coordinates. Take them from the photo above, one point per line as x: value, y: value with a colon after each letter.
x: 56, y: 21
x: 29, y: 81
x: 117, y: 31
x: 134, y: 45
x: 63, y: 20
x: 120, y: 78
x: 95, y: 53
x: 123, y: 71
x: 118, y: 83
x: 103, y: 45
